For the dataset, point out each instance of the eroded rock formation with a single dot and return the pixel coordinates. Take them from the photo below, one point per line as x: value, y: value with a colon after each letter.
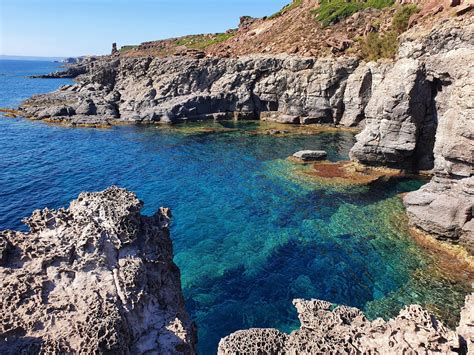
x: 420, y: 117
x: 97, y: 277
x: 175, y: 89
x: 345, y: 330
x: 417, y: 112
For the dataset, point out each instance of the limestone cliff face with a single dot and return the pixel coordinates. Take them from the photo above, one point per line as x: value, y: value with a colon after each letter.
x: 345, y: 330
x: 97, y: 277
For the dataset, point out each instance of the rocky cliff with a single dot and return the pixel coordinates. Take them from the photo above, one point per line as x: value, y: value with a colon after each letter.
x: 345, y: 330
x: 169, y: 90
x: 416, y: 111
x: 97, y: 277
x: 421, y: 117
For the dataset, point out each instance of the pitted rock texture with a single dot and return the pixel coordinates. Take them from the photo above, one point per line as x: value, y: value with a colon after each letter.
x: 169, y: 90
x: 466, y: 324
x: 97, y: 277
x: 327, y: 329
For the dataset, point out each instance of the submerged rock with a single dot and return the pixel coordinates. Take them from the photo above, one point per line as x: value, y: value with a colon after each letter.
x: 326, y: 328
x: 97, y: 277
x: 310, y: 155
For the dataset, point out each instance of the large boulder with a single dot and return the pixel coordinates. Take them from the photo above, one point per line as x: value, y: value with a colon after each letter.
x: 97, y: 277
x: 310, y: 155
x: 444, y: 208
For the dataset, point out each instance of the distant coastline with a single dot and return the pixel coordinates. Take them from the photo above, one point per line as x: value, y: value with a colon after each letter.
x: 19, y: 57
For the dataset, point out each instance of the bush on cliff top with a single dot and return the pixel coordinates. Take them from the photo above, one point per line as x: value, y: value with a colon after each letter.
x: 375, y: 45
x: 402, y: 16
x: 332, y: 11
x: 294, y: 4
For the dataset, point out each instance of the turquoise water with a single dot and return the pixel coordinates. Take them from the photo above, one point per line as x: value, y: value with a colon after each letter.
x: 249, y: 233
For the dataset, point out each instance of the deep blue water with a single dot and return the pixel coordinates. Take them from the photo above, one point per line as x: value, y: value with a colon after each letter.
x: 249, y: 233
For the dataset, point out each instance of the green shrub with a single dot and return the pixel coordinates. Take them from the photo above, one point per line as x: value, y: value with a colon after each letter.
x: 401, y: 17
x: 375, y: 46
x: 127, y: 48
x: 203, y: 41
x: 332, y: 11
x: 294, y: 4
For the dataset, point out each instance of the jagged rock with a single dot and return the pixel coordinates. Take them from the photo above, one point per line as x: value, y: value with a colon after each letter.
x: 395, y: 115
x: 358, y: 91
x: 466, y: 324
x: 444, y: 207
x: 97, y: 277
x: 464, y: 9
x: 345, y: 330
x: 176, y: 89
x: 310, y: 155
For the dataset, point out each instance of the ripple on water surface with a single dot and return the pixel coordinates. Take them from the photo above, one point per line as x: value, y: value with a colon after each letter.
x: 249, y: 234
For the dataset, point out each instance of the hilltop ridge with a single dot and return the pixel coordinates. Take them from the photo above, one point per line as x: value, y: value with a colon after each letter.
x: 312, y: 28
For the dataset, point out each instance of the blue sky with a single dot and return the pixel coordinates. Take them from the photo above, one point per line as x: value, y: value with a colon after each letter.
x: 77, y: 27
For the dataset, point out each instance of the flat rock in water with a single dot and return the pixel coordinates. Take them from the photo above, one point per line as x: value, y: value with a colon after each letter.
x: 310, y: 155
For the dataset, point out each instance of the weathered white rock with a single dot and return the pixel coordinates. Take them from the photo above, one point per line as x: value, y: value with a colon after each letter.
x: 344, y: 330
x: 310, y: 155
x: 97, y: 277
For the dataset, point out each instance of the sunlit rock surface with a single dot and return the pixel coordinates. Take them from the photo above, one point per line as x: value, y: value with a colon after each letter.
x: 326, y: 328
x: 97, y: 277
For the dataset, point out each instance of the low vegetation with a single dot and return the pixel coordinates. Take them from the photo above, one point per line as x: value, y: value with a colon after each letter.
x: 294, y: 4
x: 375, y: 45
x: 385, y: 45
x: 203, y: 41
x: 402, y: 16
x: 332, y: 11
x: 127, y: 48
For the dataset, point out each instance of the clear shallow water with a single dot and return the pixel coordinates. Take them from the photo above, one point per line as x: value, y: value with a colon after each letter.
x: 249, y: 234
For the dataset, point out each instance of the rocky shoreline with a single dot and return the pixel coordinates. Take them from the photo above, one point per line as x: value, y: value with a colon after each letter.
x: 97, y: 277
x: 327, y: 328
x: 416, y: 113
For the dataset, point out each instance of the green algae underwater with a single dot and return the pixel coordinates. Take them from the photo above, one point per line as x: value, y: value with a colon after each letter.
x: 251, y: 231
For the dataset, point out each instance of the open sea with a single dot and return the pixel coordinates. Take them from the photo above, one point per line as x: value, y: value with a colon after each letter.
x: 250, y: 233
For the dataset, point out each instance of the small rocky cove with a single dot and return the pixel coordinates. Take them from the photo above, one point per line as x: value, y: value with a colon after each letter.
x: 99, y: 276
x: 415, y: 113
